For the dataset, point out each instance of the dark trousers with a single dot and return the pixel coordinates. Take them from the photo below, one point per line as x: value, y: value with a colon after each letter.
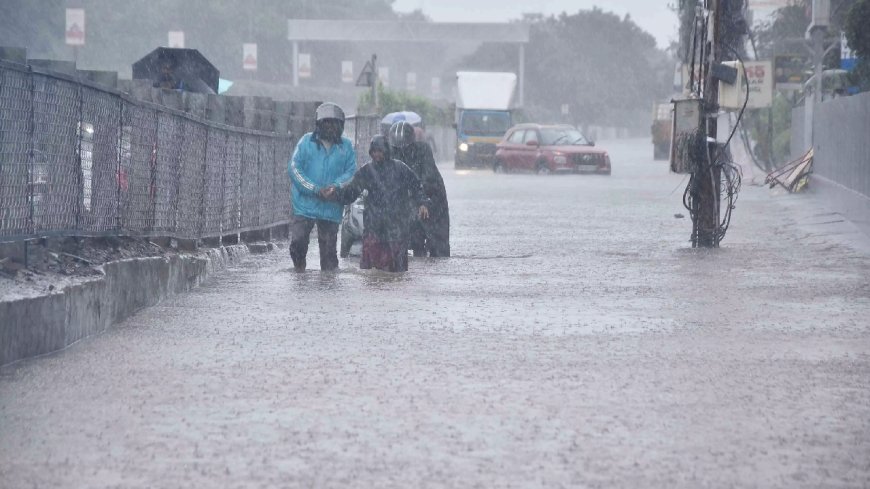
x: 300, y: 235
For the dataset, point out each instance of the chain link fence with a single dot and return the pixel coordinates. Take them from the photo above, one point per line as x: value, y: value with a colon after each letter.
x: 77, y: 159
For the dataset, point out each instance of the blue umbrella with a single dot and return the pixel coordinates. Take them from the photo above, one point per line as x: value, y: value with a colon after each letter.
x: 412, y: 118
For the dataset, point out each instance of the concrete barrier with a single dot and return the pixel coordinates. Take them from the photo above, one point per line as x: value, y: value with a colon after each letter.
x: 35, y: 326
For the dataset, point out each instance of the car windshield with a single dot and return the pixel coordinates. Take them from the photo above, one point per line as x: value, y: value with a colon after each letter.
x: 488, y: 124
x: 562, y: 136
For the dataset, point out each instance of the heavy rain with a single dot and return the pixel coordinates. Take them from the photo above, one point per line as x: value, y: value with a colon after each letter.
x: 399, y: 243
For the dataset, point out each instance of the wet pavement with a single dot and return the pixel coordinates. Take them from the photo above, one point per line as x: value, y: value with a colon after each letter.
x: 574, y: 340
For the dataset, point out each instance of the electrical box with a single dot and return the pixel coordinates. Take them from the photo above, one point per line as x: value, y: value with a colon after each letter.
x: 686, y: 136
x: 732, y: 96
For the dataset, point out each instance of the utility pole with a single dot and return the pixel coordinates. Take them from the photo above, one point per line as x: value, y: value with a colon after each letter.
x: 376, y: 109
x: 708, y: 175
x: 816, y: 33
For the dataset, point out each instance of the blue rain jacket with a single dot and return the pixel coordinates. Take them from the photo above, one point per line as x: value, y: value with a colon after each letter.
x: 313, y: 168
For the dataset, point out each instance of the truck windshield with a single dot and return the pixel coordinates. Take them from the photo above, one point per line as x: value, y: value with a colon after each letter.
x: 486, y: 124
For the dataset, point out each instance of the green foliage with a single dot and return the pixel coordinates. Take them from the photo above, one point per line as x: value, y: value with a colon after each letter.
x: 857, y: 28
x: 858, y: 35
x: 395, y: 101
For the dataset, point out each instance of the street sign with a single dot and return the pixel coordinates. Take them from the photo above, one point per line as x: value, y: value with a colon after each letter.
x: 249, y: 56
x: 304, y: 65
x: 176, y: 39
x: 347, y: 71
x: 366, y: 78
x: 436, y: 85
x: 411, y: 81
x: 384, y: 75
x: 75, y: 26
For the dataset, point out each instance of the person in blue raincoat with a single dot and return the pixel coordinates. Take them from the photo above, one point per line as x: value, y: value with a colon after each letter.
x: 322, y: 161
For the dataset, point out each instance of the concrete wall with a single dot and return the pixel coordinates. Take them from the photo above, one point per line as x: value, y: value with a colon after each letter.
x: 35, y: 326
x: 841, y: 165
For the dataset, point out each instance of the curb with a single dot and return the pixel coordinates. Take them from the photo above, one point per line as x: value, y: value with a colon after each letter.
x: 35, y: 326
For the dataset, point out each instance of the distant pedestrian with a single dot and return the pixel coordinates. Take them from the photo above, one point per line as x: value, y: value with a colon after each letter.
x: 394, y: 191
x: 323, y: 160
x: 431, y: 237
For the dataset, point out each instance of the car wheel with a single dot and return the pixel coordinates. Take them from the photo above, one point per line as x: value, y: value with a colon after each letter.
x: 346, y: 243
x: 542, y: 169
x: 497, y: 167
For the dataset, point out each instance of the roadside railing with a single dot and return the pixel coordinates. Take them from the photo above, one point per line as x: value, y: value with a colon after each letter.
x: 78, y: 159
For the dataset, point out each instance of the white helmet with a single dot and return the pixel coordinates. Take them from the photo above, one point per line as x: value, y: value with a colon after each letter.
x: 329, y: 110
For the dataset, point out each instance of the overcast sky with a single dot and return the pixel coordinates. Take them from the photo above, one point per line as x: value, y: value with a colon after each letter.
x: 653, y: 16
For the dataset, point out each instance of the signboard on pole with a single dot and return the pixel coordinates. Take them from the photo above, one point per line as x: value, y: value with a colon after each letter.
x: 347, y: 71
x: 411, y: 81
x: 249, y: 56
x: 436, y: 85
x: 366, y: 78
x: 75, y: 26
x: 758, y: 81
x: 304, y: 65
x: 176, y: 39
x: 384, y: 75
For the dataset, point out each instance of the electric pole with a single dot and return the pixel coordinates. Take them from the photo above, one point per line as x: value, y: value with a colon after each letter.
x: 708, y: 175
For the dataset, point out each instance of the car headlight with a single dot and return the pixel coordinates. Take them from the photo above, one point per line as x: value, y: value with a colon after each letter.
x: 560, y: 159
x: 463, y: 147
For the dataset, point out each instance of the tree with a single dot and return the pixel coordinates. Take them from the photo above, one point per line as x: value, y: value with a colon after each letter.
x: 397, y: 100
x: 858, y: 36
x: 605, y: 68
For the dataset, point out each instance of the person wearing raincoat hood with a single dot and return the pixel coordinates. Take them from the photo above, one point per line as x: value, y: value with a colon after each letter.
x: 430, y: 237
x: 323, y: 160
x: 393, y: 192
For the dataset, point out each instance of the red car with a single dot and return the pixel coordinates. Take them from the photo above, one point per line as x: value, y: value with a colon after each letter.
x: 548, y: 149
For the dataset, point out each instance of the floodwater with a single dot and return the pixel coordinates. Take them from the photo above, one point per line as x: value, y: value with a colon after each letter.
x: 574, y: 340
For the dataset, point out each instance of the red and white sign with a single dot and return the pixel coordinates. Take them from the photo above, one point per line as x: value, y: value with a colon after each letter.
x: 75, y: 26
x: 176, y: 39
x: 249, y: 56
x: 347, y: 71
x: 304, y: 65
x: 759, y: 76
x: 384, y: 75
x: 411, y: 81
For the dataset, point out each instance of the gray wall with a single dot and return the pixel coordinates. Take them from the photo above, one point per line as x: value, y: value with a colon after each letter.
x: 797, y: 145
x: 841, y: 130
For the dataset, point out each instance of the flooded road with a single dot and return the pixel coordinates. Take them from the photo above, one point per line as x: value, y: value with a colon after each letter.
x: 574, y: 340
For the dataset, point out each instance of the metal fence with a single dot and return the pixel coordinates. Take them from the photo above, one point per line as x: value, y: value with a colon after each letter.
x: 361, y: 129
x: 78, y: 159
